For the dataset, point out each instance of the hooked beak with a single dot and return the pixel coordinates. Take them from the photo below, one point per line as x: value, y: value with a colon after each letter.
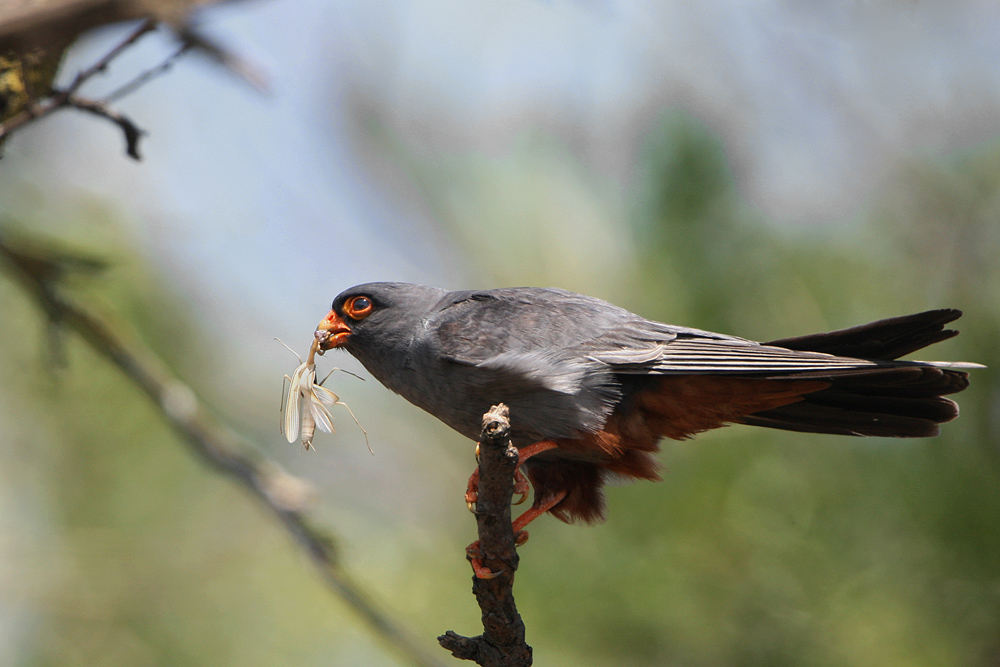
x: 332, y: 331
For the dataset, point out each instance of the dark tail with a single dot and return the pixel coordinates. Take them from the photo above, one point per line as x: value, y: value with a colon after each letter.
x: 903, y: 400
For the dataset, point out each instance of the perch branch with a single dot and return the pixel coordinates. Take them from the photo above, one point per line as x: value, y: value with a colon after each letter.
x: 39, y: 274
x: 502, y: 642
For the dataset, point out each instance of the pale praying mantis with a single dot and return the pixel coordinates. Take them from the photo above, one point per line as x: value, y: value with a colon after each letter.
x: 306, y: 407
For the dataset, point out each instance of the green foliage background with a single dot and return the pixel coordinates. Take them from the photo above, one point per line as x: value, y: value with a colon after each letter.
x: 758, y: 548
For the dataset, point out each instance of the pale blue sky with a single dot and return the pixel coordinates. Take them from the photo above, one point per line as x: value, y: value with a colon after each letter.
x: 266, y: 205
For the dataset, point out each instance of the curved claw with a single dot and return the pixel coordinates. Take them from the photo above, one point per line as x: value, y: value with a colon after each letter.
x: 476, y: 559
x: 521, y: 486
x: 472, y: 491
x: 483, y: 572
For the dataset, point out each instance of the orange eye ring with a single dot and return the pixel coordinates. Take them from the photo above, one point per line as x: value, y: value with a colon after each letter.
x: 358, y: 307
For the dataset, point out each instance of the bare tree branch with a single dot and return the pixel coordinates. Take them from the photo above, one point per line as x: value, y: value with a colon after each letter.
x: 145, y: 77
x: 67, y: 97
x: 35, y: 104
x: 131, y: 131
x: 502, y: 642
x: 39, y: 273
x: 102, y: 64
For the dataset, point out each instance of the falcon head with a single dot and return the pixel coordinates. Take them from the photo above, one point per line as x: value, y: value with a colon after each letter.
x: 384, y: 312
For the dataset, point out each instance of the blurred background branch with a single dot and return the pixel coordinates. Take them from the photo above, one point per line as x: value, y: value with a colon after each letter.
x: 34, y: 37
x: 52, y: 100
x: 52, y: 25
x: 40, y: 272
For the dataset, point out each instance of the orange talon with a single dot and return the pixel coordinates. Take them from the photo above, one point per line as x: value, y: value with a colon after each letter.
x: 476, y: 558
x: 483, y: 572
x: 472, y: 491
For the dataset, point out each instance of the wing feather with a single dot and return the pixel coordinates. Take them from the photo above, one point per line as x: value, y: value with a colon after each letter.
x: 722, y: 356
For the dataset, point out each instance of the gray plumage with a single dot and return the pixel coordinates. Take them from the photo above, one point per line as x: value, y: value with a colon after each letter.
x: 563, y: 362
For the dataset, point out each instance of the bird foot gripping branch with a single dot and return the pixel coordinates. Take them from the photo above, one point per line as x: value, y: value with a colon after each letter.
x: 542, y: 504
x: 521, y: 486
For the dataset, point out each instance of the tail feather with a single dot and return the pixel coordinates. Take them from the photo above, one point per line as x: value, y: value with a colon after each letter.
x: 907, y: 382
x: 810, y: 418
x: 883, y: 340
x: 936, y: 409
x: 905, y: 400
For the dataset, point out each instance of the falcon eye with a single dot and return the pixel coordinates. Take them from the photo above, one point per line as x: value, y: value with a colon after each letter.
x: 358, y: 307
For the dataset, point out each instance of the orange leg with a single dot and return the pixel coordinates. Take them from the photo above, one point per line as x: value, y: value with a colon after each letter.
x: 526, y: 453
x: 532, y: 513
